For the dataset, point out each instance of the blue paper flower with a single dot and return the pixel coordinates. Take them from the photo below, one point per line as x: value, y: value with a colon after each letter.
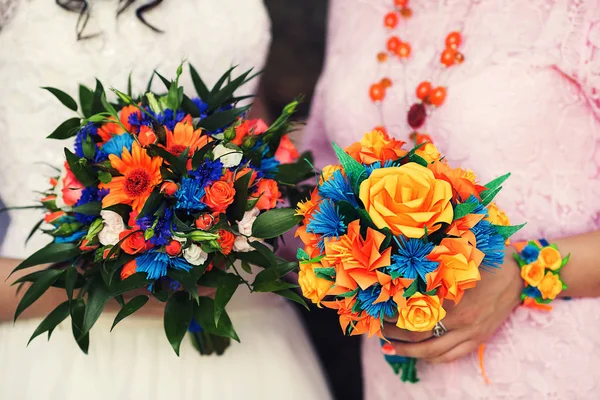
x: 326, y: 222
x: 490, y: 243
x: 189, y: 195
x: 411, y: 259
x: 156, y: 264
x: 367, y: 298
x: 533, y: 292
x: 337, y: 188
x: 117, y: 143
x: 530, y: 253
x: 377, y: 165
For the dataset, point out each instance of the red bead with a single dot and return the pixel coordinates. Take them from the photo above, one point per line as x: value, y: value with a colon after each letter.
x: 400, y: 3
x: 406, y: 12
x: 390, y: 20
x: 377, y: 92
x: 393, y: 44
x: 423, y: 90
x: 404, y: 50
x: 438, y: 96
x: 382, y: 57
x: 459, y: 58
x: 416, y: 115
x: 388, y: 350
x: 386, y: 82
x: 447, y: 57
x: 453, y: 40
x: 173, y: 248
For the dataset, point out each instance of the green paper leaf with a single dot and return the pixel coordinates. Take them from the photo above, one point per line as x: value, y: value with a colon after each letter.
x: 507, y: 231
x: 495, y: 184
x: 77, y: 315
x: 412, y: 289
x: 66, y: 130
x: 128, y: 309
x: 235, y: 212
x: 86, y: 98
x: 178, y: 314
x: 293, y: 296
x: 463, y: 209
x: 201, y: 88
x: 488, y: 195
x: 37, y: 289
x: 52, y: 253
x: 203, y: 314
x: 355, y: 171
x: 565, y: 260
x: 275, y: 223
x: 417, y: 159
x: 64, y: 98
x: 227, y: 287
x: 58, y: 315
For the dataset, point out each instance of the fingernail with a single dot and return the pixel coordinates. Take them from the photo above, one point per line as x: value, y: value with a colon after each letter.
x: 388, y: 350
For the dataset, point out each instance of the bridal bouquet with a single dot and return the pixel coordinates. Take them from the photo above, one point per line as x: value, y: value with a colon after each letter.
x: 392, y: 234
x: 162, y: 194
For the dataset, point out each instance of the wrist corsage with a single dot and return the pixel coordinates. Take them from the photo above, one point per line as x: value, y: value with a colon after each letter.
x: 541, y: 264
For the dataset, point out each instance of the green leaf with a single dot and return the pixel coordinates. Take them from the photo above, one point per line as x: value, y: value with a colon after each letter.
x: 71, y: 276
x: 34, y: 230
x: 52, y: 253
x: 464, y: 209
x: 203, y: 314
x: 131, y: 307
x: 98, y: 296
x: 66, y: 130
x: 108, y: 107
x: 254, y: 258
x: 91, y: 208
x: 64, y: 98
x: 199, y: 85
x: 37, y: 289
x: 97, y: 106
x: 224, y: 95
x: 190, y: 107
x: 178, y: 314
x: 221, y: 119
x: 81, y: 169
x: 152, y: 203
x: 355, y: 171
x: 221, y: 80
x: 129, y: 88
x: 273, y: 286
x: 227, y: 287
x: 265, y: 252
x: 77, y: 314
x: 172, y: 159
x: 275, y: 223
x: 507, y: 231
x: 104, y: 177
x: 246, y: 267
x: 293, y: 296
x: 86, y: 98
x: 496, y: 183
x: 133, y: 282
x: 58, y: 315
x: 198, y: 157
x: 275, y: 273
x: 235, y: 212
x: 294, y: 173
x: 186, y: 279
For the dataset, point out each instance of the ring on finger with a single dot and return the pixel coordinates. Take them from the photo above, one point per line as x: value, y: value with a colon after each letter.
x: 439, y: 329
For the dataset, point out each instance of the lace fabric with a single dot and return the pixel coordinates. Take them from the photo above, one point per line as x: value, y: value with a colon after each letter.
x: 526, y: 100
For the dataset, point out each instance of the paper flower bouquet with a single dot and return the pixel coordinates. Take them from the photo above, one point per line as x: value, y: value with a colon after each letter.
x: 160, y: 195
x: 392, y: 234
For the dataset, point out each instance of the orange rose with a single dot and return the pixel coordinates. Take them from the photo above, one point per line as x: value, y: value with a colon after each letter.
x: 128, y: 269
x: 310, y: 241
x: 421, y: 314
x: 249, y: 127
x: 533, y: 273
x: 219, y: 195
x: 407, y: 199
x: 286, y: 152
x: 245, y: 171
x: 146, y: 137
x: 313, y: 287
x: 458, y: 268
x: 376, y: 146
x: 269, y: 194
x: 226, y: 240
x: 550, y: 258
x: 550, y: 286
x: 134, y: 243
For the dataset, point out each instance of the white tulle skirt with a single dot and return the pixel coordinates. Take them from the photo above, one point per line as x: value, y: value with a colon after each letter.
x: 273, y: 361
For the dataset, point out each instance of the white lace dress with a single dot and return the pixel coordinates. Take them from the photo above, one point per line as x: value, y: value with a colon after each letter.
x: 38, y: 47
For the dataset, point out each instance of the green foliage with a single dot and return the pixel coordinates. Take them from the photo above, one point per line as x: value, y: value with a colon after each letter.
x: 178, y: 315
x: 131, y: 307
x: 275, y: 223
x: 66, y: 130
x: 64, y: 98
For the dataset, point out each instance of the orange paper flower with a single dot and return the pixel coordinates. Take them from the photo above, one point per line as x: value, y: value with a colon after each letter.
x: 421, y: 313
x: 550, y: 258
x: 313, y: 287
x: 141, y: 174
x: 429, y: 152
x: 533, y: 273
x: 407, y: 199
x: 462, y: 182
x: 550, y: 286
x: 376, y: 146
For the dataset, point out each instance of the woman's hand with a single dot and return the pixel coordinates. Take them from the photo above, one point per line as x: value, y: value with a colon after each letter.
x: 473, y: 321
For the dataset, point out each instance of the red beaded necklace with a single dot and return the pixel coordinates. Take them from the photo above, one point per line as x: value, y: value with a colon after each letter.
x: 428, y: 96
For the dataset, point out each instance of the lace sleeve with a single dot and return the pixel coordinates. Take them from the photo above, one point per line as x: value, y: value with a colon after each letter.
x: 7, y: 8
x: 580, y: 49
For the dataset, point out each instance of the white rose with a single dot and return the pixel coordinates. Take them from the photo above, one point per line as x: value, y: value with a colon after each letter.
x: 194, y: 255
x: 229, y: 157
x: 113, y: 226
x: 245, y: 225
x: 241, y: 245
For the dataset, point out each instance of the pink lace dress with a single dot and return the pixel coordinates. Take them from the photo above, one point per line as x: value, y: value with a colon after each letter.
x: 526, y: 100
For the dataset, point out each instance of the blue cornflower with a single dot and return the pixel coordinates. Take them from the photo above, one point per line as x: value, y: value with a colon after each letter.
x: 170, y: 118
x: 117, y: 143
x: 71, y: 238
x: 377, y: 165
x: 209, y: 171
x: 337, y: 188
x: 91, y: 131
x: 156, y: 263
x: 269, y: 167
x: 88, y: 195
x: 189, y: 195
x: 490, y: 243
x: 202, y: 107
x: 194, y: 326
x: 326, y: 222
x: 162, y: 229
x: 531, y: 291
x: 136, y: 120
x: 530, y: 253
x: 367, y: 298
x: 411, y: 259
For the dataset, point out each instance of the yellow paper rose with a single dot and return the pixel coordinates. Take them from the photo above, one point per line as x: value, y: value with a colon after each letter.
x: 376, y: 146
x: 313, y: 287
x: 421, y: 313
x: 327, y: 172
x: 407, y: 199
x: 550, y: 258
x: 550, y: 286
x: 497, y: 216
x: 533, y: 273
x: 429, y: 152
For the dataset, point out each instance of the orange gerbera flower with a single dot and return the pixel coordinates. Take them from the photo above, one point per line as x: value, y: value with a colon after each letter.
x: 110, y: 129
x: 184, y: 136
x: 141, y: 174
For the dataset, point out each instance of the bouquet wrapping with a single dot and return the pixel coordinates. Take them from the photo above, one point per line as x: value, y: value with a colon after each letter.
x: 393, y: 234
x: 161, y: 194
